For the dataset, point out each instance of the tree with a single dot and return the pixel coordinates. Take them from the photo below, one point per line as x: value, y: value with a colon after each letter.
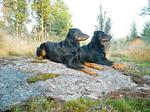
x: 20, y: 16
x: 61, y: 19
x: 146, y: 10
x: 8, y: 6
x: 146, y: 31
x: 104, y: 23
x: 42, y: 13
x: 15, y: 14
x: 133, y: 31
x: 107, y: 26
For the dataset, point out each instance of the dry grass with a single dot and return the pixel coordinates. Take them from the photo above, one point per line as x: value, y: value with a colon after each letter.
x: 138, y: 52
x: 19, y: 46
x: 12, y: 46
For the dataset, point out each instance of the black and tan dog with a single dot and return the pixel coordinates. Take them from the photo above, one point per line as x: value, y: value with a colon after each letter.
x: 66, y: 52
x: 94, y: 52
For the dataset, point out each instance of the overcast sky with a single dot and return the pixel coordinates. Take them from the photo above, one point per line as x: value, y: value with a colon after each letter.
x: 122, y: 13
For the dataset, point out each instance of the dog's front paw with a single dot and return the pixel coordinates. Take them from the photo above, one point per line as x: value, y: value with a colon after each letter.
x: 119, y: 66
x: 93, y: 65
x: 98, y: 67
x: 92, y: 73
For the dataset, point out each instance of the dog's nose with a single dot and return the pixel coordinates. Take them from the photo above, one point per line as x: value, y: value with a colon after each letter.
x: 110, y: 36
x: 86, y: 36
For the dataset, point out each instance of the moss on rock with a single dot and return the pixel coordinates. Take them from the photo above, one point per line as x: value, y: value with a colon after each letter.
x: 41, y: 77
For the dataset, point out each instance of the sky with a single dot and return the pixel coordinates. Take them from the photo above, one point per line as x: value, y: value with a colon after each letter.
x: 122, y: 13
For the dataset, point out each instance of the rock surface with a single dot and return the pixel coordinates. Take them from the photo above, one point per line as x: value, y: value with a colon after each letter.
x: 70, y: 84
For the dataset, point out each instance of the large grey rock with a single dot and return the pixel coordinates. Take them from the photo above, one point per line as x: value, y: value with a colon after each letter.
x: 70, y: 84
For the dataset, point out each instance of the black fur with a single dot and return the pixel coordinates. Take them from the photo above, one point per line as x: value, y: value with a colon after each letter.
x: 94, y: 52
x: 66, y: 51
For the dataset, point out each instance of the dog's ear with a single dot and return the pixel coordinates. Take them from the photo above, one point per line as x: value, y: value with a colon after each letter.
x: 95, y: 32
x: 69, y: 34
x: 43, y: 46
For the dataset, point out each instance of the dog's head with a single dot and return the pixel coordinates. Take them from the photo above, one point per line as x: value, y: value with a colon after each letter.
x: 41, y: 51
x: 77, y: 35
x: 101, y: 37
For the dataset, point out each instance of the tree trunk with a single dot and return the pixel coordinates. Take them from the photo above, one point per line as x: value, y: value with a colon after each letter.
x: 5, y: 13
x: 17, y: 24
x: 17, y: 28
x: 42, y: 24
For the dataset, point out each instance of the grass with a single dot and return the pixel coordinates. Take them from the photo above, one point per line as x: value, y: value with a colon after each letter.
x: 20, y: 46
x: 38, y: 61
x: 144, y: 64
x: 39, y: 104
x: 42, y: 104
x: 41, y: 77
x: 83, y: 105
x: 136, y: 55
x: 131, y: 105
x: 16, y: 46
x: 139, y: 54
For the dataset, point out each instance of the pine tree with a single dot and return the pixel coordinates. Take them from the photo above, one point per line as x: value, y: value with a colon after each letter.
x: 146, y: 10
x: 42, y: 13
x: 104, y: 23
x: 107, y: 26
x: 61, y: 18
x: 15, y: 14
x: 133, y: 31
x: 20, y: 16
x: 146, y: 31
x: 7, y: 10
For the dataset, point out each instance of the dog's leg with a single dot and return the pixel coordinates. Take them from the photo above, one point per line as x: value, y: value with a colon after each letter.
x: 85, y: 70
x: 39, y: 57
x: 118, y: 66
x: 93, y: 65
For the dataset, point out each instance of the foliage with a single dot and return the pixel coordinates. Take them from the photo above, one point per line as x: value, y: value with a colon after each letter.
x: 42, y: 14
x: 60, y: 20
x: 42, y: 104
x: 49, y: 17
x: 15, y: 14
x: 146, y: 10
x: 146, y: 31
x: 104, y: 23
x: 107, y: 26
x: 133, y: 31
x: 52, y: 17
x: 8, y: 6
